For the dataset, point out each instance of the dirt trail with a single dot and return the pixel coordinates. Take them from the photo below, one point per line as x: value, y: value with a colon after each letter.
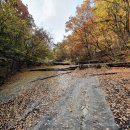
x: 83, y: 107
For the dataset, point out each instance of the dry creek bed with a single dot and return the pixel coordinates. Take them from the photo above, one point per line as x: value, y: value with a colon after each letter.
x: 33, y: 105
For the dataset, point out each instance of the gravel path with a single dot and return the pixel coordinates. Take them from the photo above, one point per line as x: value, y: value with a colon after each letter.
x: 81, y: 107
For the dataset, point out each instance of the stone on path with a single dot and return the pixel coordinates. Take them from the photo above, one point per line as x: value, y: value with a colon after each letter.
x: 83, y: 107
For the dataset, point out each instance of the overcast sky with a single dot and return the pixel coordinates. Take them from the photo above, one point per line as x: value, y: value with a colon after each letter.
x: 52, y: 14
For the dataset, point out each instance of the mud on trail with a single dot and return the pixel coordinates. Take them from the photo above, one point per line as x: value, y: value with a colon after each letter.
x: 72, y: 101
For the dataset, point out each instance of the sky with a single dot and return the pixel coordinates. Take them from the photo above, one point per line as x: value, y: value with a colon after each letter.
x: 52, y: 14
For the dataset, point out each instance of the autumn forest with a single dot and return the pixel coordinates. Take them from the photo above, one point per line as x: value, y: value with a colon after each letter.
x: 100, y: 30
x: 79, y: 80
x: 22, y: 43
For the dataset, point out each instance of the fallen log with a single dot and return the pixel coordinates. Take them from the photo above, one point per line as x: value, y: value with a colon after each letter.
x: 99, y: 65
x: 55, y: 69
x: 83, y: 66
x: 88, y: 62
x: 103, y: 74
x: 51, y: 76
x: 90, y: 66
x: 61, y: 63
x: 120, y: 64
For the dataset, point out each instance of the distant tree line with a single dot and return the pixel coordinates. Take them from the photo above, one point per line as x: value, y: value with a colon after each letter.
x: 21, y: 42
x: 100, y: 30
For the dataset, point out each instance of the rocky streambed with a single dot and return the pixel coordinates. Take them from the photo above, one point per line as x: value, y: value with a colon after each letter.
x: 73, y: 100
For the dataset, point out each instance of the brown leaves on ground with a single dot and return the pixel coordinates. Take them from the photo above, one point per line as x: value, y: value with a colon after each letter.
x: 24, y: 110
x: 117, y: 91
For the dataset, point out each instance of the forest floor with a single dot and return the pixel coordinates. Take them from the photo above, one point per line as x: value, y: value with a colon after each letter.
x: 89, y: 99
